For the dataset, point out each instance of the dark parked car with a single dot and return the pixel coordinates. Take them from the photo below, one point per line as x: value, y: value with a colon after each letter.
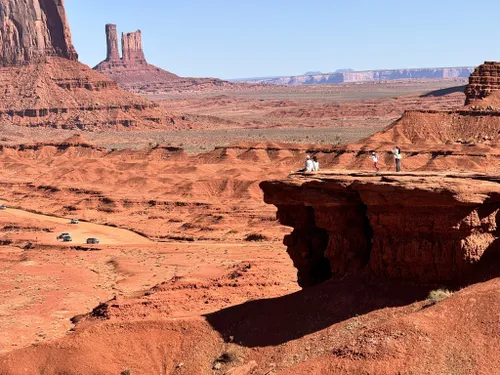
x: 3, y: 207
x: 75, y: 221
x: 66, y: 238
x: 60, y: 237
x: 92, y: 241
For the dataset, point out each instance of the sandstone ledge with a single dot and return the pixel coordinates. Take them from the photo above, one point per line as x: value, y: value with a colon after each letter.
x: 431, y: 228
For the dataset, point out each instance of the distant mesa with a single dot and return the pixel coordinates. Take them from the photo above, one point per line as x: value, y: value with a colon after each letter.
x: 42, y: 84
x: 351, y: 76
x: 312, y: 73
x: 132, y: 72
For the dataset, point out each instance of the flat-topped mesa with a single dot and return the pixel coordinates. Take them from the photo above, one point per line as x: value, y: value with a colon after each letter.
x: 426, y: 228
x: 132, y: 48
x: 484, y: 81
x: 112, y: 43
x: 32, y: 30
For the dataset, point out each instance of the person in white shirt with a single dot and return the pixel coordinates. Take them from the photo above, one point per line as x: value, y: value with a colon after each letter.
x: 397, y: 157
x: 315, y: 164
x: 309, y: 167
x: 375, y: 160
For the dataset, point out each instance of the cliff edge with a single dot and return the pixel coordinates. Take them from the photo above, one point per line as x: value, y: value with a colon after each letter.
x: 429, y: 228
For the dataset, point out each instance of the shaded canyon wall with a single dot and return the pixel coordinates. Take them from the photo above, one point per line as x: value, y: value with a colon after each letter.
x: 417, y: 227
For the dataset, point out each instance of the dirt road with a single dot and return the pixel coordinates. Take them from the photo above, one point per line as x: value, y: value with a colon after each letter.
x: 79, y: 232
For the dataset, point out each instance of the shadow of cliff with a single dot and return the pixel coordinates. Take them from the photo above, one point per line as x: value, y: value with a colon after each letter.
x: 443, y: 92
x: 489, y: 265
x: 278, y: 320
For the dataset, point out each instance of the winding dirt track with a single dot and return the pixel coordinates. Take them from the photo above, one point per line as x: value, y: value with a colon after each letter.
x: 80, y: 232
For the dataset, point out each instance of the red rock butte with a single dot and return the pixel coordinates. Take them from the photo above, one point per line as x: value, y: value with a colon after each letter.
x: 43, y: 85
x: 133, y: 73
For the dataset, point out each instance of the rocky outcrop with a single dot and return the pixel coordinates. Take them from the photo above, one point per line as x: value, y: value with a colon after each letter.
x: 365, y: 76
x: 112, y: 43
x: 413, y: 227
x: 132, y: 69
x: 483, y: 82
x: 31, y: 30
x: 133, y: 73
x: 132, y: 48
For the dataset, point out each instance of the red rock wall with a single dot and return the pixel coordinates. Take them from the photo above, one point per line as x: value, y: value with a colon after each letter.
x: 484, y: 81
x: 30, y: 30
x: 417, y: 229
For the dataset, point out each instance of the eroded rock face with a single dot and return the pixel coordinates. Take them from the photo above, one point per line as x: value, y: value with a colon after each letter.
x: 112, y: 43
x: 484, y: 81
x: 416, y: 227
x: 132, y: 48
x: 31, y: 30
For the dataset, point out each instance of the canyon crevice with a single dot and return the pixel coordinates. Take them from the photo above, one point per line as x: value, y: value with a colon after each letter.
x: 425, y: 228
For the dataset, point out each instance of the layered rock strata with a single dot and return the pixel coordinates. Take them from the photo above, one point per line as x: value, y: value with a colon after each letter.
x: 31, y: 30
x: 483, y: 82
x: 365, y: 76
x: 43, y: 84
x: 412, y: 227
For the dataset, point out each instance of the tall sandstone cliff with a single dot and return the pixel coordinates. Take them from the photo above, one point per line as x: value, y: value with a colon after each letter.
x: 43, y: 84
x: 31, y: 30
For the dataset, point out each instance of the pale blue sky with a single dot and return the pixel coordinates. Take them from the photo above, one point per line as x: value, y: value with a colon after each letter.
x: 236, y: 38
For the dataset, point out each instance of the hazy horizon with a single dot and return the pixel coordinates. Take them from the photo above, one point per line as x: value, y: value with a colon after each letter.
x: 232, y: 40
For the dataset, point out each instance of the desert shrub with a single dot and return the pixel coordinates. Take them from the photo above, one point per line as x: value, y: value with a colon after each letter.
x: 125, y: 372
x: 438, y: 295
x: 107, y: 200
x: 70, y: 208
x: 106, y: 209
x: 256, y: 237
x: 227, y: 357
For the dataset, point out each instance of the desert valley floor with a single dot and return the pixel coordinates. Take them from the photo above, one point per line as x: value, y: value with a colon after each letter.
x: 191, y: 275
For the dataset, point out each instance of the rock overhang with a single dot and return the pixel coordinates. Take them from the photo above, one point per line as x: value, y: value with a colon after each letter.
x: 430, y: 228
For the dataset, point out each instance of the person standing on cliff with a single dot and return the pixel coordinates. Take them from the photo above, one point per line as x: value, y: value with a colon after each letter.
x: 397, y: 157
x: 375, y: 161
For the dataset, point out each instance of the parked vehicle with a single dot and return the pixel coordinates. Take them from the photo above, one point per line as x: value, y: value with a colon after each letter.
x: 92, y: 241
x: 3, y: 207
x: 74, y: 221
x: 62, y: 235
x: 67, y: 238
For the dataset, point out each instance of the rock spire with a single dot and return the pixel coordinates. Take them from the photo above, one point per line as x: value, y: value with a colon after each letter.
x: 112, y: 43
x: 132, y: 47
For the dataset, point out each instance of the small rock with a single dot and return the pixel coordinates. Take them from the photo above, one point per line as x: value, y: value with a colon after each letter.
x: 217, y: 366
